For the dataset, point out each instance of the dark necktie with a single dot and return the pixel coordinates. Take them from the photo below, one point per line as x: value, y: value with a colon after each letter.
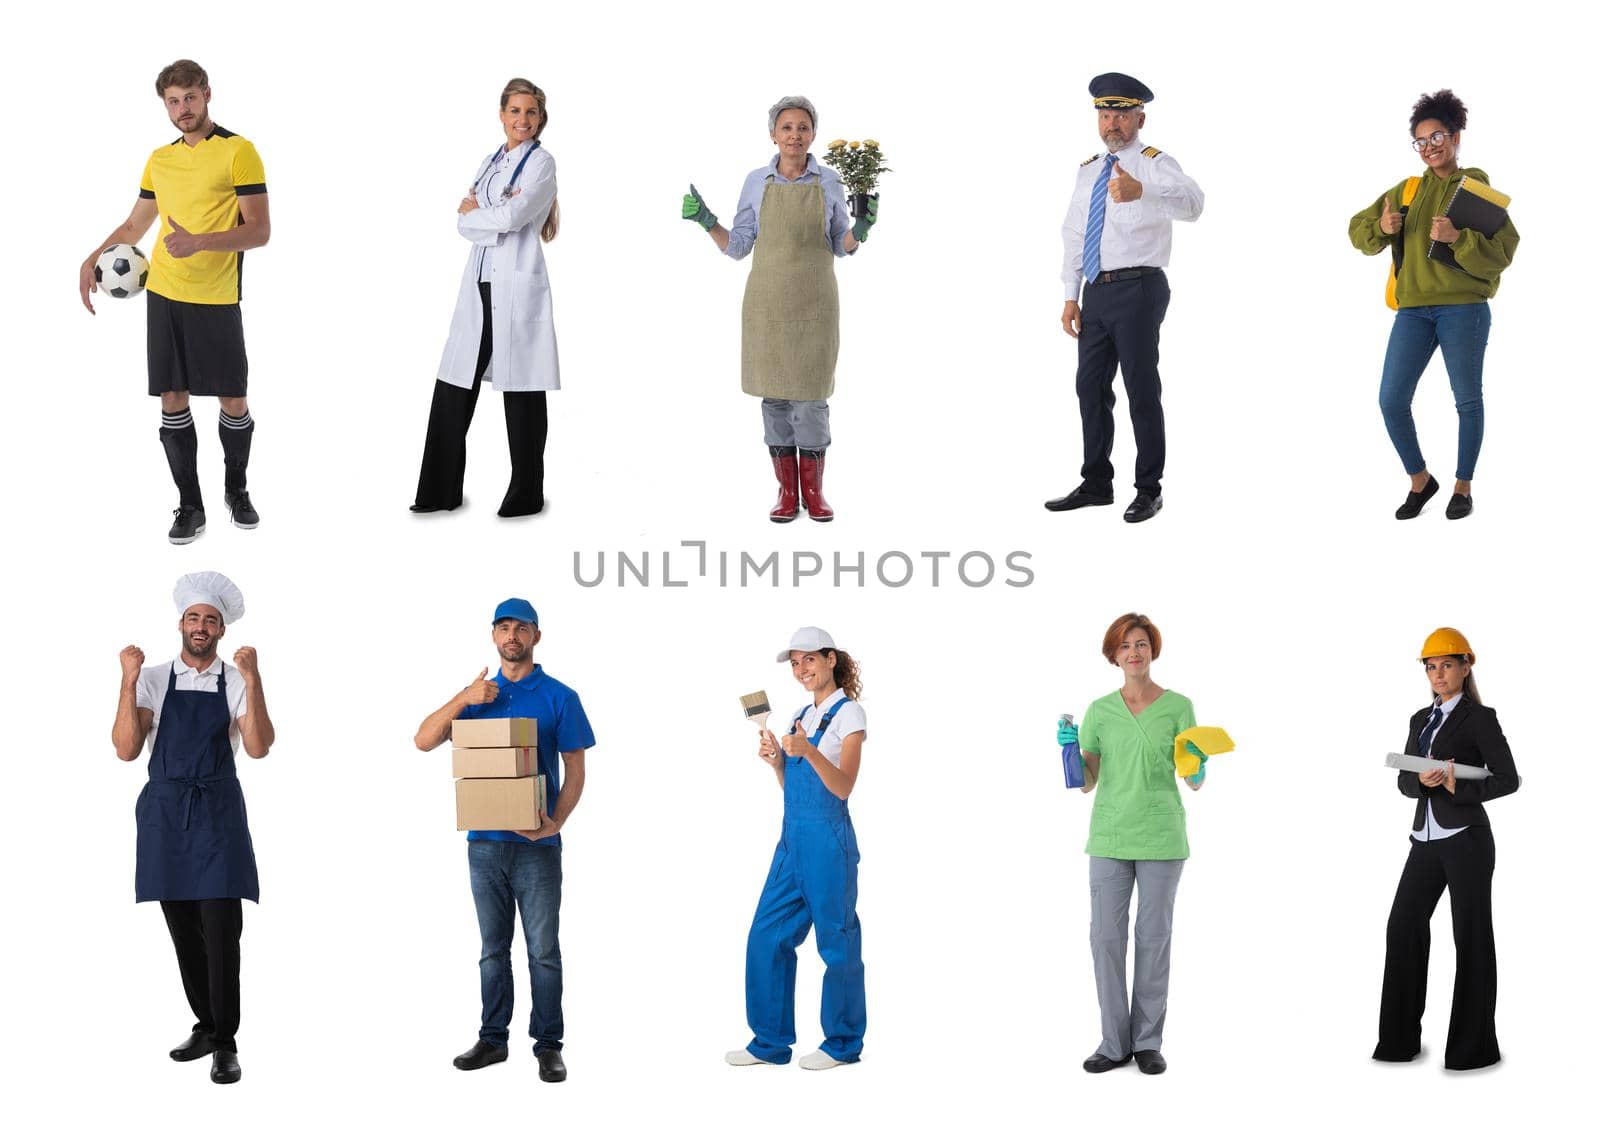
x: 1425, y: 741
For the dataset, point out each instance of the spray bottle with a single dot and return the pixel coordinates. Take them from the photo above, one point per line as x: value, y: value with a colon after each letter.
x: 1071, y: 758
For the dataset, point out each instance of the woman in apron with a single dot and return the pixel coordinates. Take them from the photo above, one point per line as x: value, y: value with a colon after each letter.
x: 1136, y: 838
x: 792, y: 213
x: 503, y: 325
x: 812, y: 880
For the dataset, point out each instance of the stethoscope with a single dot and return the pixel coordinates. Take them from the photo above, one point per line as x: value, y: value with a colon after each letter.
x: 505, y: 193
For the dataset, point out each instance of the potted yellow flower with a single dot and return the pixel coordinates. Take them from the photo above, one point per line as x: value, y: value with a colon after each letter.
x: 859, y: 164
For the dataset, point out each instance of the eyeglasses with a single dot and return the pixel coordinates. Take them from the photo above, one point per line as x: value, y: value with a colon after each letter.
x: 1436, y: 138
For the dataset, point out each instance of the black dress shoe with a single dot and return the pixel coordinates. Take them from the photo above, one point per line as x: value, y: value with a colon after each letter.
x: 1144, y: 507
x: 244, y: 514
x: 225, y: 1067
x: 187, y: 523
x: 551, y: 1067
x: 1460, y: 505
x: 1102, y: 1064
x: 481, y: 1054
x: 1150, y: 1061
x: 196, y: 1046
x: 1416, y: 499
x: 1077, y: 499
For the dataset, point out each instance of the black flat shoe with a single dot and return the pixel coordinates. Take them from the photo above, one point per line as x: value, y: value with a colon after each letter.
x: 225, y: 1067
x: 196, y: 1046
x: 551, y: 1067
x: 1077, y: 499
x: 1144, y: 507
x: 1102, y: 1064
x: 1459, y: 507
x: 481, y: 1054
x: 1150, y: 1061
x: 1416, y: 499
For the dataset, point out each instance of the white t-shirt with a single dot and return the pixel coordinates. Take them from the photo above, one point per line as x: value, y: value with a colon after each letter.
x: 851, y: 718
x: 152, y: 692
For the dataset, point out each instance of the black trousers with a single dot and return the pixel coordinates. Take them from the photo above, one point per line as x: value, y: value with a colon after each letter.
x: 444, y: 452
x: 1122, y: 326
x: 206, y: 936
x: 1464, y: 864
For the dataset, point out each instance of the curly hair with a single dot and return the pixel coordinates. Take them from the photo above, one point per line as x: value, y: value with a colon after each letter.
x: 1444, y: 107
x: 846, y: 674
x: 1118, y: 631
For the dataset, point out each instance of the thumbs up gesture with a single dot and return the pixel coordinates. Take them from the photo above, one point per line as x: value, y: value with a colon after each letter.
x: 181, y: 243
x: 1390, y: 221
x: 1124, y: 189
x: 795, y: 743
x: 481, y: 690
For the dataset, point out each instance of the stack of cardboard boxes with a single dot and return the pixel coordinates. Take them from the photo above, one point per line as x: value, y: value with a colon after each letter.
x: 495, y: 762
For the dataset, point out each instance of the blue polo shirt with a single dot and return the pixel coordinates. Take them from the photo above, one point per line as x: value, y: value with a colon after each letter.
x: 562, y: 727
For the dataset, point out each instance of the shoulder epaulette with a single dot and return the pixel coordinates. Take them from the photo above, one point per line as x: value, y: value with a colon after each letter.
x: 1151, y: 151
x: 1092, y: 159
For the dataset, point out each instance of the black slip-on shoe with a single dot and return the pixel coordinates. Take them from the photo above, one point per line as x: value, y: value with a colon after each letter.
x: 481, y: 1054
x: 225, y: 1067
x: 1099, y: 1063
x: 1460, y: 506
x: 196, y: 1046
x: 1150, y: 1061
x: 1416, y: 499
x: 1077, y: 499
x: 1144, y: 507
x: 551, y: 1067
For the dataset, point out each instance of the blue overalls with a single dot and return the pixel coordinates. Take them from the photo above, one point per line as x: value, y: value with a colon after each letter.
x: 812, y: 881
x: 193, y: 840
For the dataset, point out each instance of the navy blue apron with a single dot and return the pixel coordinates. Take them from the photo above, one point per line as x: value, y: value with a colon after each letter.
x: 194, y: 842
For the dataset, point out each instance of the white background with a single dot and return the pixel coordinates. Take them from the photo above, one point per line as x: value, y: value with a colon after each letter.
x: 1292, y: 603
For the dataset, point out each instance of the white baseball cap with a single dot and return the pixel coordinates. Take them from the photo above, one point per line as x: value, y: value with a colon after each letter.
x: 808, y: 639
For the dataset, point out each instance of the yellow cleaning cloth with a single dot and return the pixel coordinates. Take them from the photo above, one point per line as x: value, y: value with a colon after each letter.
x: 1209, y: 739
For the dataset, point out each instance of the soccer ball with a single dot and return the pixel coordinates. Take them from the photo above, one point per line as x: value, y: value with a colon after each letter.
x: 121, y: 271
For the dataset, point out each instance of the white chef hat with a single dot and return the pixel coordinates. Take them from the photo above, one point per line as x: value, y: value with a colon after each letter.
x: 213, y: 589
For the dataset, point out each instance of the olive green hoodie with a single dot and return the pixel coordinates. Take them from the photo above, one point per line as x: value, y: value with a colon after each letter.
x: 1422, y: 281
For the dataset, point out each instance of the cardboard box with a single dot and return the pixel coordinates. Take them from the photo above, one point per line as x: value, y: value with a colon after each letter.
x: 493, y: 763
x: 495, y: 732
x: 500, y: 804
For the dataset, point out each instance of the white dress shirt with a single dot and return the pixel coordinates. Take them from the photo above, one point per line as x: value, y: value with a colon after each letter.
x: 1136, y: 233
x: 152, y: 692
x: 1431, y: 830
x: 851, y: 718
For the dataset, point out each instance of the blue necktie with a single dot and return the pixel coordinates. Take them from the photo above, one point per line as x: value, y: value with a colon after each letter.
x: 1097, y: 223
x: 1425, y: 741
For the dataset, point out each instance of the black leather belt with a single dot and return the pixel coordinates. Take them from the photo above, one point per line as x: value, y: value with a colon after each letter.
x: 1125, y: 275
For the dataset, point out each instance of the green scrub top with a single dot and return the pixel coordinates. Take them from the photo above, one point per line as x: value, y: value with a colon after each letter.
x: 1137, y: 813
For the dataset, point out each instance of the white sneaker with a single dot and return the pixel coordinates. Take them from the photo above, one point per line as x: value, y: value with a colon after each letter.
x: 817, y: 1059
x: 743, y: 1057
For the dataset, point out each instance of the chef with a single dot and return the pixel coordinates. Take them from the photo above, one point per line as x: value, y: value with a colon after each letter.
x: 194, y: 852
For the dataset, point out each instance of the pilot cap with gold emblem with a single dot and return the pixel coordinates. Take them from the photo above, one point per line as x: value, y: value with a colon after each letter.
x: 1113, y: 91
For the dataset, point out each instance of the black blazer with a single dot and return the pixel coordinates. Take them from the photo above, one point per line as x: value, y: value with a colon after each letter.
x: 1470, y: 735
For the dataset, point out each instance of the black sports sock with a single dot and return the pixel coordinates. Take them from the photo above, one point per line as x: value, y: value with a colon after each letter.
x: 235, y: 432
x: 182, y: 446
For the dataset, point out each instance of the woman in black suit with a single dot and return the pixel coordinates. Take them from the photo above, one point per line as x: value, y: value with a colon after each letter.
x: 1451, y: 848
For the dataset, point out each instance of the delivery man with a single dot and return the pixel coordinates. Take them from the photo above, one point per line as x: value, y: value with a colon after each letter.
x: 194, y: 852
x: 520, y: 870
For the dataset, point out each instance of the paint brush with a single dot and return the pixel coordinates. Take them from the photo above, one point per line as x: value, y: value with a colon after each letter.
x: 756, y: 708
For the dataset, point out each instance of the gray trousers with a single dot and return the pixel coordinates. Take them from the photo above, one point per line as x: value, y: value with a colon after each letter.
x: 796, y: 423
x: 1111, y: 882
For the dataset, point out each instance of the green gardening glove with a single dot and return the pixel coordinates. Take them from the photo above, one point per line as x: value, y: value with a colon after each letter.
x: 1066, y: 734
x: 1199, y: 777
x: 864, y: 224
x: 694, y: 207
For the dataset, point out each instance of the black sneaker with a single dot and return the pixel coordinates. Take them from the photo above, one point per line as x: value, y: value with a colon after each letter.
x: 189, y: 522
x: 1460, y: 505
x: 239, y: 508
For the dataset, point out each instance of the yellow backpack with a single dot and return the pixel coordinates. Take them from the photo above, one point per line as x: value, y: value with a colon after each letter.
x: 1407, y: 194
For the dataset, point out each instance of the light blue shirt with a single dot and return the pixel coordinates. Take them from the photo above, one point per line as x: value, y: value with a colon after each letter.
x: 747, y: 220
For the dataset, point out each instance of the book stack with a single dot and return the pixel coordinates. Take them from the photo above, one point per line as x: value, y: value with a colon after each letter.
x: 495, y: 762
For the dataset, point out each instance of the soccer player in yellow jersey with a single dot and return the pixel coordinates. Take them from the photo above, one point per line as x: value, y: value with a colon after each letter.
x: 210, y: 193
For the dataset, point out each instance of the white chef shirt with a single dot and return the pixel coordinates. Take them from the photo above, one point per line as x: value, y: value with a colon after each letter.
x: 491, y: 182
x: 1431, y: 830
x: 152, y: 691
x: 1137, y: 233
x: 851, y: 718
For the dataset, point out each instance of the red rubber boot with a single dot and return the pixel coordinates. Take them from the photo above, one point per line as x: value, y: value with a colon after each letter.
x: 783, y: 464
x: 811, y: 464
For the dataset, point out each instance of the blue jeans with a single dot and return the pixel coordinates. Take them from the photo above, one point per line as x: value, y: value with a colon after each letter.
x: 508, y: 877
x: 1461, y: 332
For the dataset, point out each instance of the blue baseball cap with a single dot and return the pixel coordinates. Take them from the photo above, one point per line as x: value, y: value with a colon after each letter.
x: 518, y: 609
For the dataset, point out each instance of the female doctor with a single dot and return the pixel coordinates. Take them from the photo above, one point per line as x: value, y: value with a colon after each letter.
x: 812, y: 880
x: 502, y: 324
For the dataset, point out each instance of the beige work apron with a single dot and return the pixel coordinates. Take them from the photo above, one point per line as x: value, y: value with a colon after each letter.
x: 791, y: 301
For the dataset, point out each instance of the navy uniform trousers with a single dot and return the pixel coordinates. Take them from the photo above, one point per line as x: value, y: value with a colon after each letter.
x: 1122, y: 326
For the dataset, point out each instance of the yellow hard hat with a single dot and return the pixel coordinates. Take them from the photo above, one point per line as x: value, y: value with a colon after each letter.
x: 1444, y: 641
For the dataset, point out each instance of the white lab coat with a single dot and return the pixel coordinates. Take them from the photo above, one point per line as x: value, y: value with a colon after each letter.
x: 524, y: 350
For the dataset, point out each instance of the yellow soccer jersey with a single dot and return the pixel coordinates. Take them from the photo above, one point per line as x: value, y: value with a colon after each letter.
x: 199, y: 186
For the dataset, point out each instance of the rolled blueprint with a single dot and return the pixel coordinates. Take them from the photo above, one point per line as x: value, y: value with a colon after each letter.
x: 1423, y: 764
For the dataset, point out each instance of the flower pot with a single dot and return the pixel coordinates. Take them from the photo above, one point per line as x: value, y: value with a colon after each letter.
x: 858, y: 204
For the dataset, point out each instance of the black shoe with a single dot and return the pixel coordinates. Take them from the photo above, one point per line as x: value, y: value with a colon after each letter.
x: 1077, y: 499
x: 551, y: 1067
x: 1150, y: 1061
x: 1102, y: 1064
x: 196, y: 1046
x: 1416, y: 499
x: 1144, y: 507
x: 225, y: 1067
x: 239, y: 508
x: 481, y: 1054
x: 1459, y: 507
x: 189, y: 522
